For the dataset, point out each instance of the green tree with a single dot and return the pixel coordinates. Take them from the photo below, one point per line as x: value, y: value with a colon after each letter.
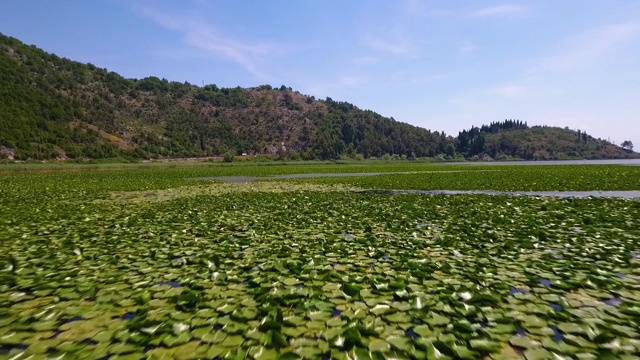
x: 450, y: 150
x: 229, y: 156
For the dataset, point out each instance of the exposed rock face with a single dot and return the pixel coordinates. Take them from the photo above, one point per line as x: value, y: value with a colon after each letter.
x: 7, y: 153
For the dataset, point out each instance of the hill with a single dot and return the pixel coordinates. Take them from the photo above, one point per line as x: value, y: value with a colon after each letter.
x: 52, y: 107
x: 57, y: 108
x: 515, y: 139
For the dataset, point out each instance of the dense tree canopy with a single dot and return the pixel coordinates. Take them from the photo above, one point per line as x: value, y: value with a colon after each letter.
x: 515, y: 139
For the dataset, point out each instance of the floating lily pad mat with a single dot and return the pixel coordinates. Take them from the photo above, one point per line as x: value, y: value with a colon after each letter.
x: 503, y: 178
x: 148, y: 265
x: 246, y: 179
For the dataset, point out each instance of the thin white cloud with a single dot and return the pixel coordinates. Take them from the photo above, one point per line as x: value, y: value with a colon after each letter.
x: 427, y: 79
x: 204, y: 37
x: 485, y: 98
x: 423, y: 9
x: 390, y: 47
x: 413, y: 77
x: 588, y: 48
x: 508, y: 11
x: 511, y: 91
x: 351, y: 80
x: 335, y: 87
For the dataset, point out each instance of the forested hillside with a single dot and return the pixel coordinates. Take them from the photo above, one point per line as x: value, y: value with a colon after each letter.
x: 55, y: 108
x: 515, y: 139
x: 58, y: 108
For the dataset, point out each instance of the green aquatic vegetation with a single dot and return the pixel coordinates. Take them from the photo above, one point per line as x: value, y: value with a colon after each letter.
x: 217, y: 189
x: 126, y: 265
x: 504, y: 178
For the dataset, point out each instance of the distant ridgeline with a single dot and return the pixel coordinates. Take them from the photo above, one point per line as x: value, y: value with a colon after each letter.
x: 51, y: 107
x: 515, y: 139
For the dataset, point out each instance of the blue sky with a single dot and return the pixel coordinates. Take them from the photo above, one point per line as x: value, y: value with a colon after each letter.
x: 442, y: 65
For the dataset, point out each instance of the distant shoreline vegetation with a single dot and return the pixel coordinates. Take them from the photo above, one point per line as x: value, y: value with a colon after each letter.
x: 55, y: 108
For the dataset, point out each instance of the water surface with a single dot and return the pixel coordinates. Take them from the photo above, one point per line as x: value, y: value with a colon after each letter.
x: 630, y: 194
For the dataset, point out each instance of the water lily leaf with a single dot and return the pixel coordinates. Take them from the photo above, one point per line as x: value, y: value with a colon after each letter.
x: 523, y: 342
x: 462, y: 352
x: 484, y: 299
x: 434, y: 353
x: 200, y: 332
x: 332, y: 333
x: 579, y: 342
x: 398, y: 317
x: 232, y: 341
x: 423, y: 330
x: 484, y: 345
x: 336, y: 321
x: 560, y: 347
x: 304, y: 341
x: 417, y: 303
x: 319, y: 315
x: 235, y: 328
x: 291, y: 281
x: 399, y: 343
x: 103, y: 336
x: 316, y: 325
x: 571, y: 328
x: 308, y: 352
x: 380, y: 309
x: 379, y: 345
x: 505, y: 329
x: 625, y: 331
x: 263, y: 353
x: 130, y: 356
x: 437, y: 320
x: 161, y: 353
x: 530, y: 321
x: 330, y: 287
x: 245, y: 314
x: 360, y: 354
x: 171, y: 340
x: 289, y: 356
x: 254, y: 334
x: 123, y: 348
x: 44, y: 346
x: 215, y: 352
x: 351, y: 289
x: 402, y: 306
x: 294, y: 332
x: 274, y: 339
x: 206, y: 313
x: 537, y: 354
x: 179, y: 328
x: 226, y: 308
x: 47, y: 326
